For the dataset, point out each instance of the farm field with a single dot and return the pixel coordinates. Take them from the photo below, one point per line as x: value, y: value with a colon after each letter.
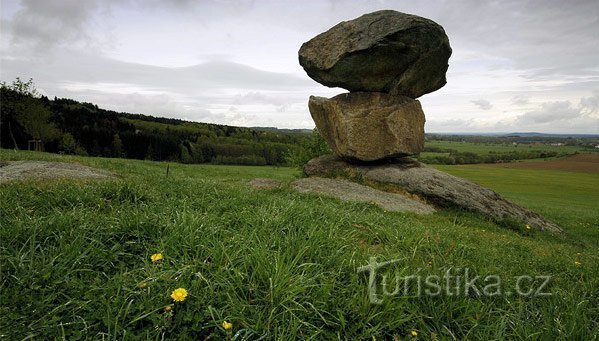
x: 495, y: 151
x: 75, y: 257
x: 484, y: 148
x: 588, y: 163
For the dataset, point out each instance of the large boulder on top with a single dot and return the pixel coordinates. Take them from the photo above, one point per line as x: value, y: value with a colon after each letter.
x: 383, y: 51
x: 369, y: 126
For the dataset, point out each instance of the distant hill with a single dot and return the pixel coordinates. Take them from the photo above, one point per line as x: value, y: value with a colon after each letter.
x: 284, y: 130
x: 533, y: 134
x: 523, y: 134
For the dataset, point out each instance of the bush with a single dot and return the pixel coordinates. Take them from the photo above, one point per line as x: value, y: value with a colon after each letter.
x: 310, y: 148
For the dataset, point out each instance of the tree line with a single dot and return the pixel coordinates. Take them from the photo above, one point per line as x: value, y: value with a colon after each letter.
x: 454, y: 157
x: 62, y: 125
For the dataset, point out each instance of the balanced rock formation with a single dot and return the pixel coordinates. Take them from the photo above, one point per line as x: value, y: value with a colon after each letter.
x: 369, y: 126
x: 383, y: 51
x: 433, y: 186
x: 386, y: 59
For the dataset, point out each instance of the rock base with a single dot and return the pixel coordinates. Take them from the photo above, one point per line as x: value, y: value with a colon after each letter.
x: 351, y: 191
x: 432, y: 185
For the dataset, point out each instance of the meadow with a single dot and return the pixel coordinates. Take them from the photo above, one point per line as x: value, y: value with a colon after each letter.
x: 75, y: 258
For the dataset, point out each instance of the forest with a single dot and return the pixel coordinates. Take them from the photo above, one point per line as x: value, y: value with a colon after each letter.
x: 32, y: 121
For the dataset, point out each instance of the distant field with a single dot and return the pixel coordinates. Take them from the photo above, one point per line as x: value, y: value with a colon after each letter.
x: 588, y: 163
x: 75, y: 258
x: 469, y: 152
x: 500, y: 148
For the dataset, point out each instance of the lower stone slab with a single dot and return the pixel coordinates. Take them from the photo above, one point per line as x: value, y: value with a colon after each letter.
x: 432, y: 185
x: 351, y: 191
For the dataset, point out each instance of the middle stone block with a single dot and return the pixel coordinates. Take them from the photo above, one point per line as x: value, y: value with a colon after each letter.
x: 369, y: 126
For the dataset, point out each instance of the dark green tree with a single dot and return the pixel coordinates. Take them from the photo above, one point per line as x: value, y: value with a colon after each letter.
x: 117, y: 146
x: 29, y: 112
x: 185, y: 157
x: 67, y: 144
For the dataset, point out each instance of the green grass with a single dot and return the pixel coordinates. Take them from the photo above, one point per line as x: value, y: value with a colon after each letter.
x: 75, y: 258
x: 569, y: 199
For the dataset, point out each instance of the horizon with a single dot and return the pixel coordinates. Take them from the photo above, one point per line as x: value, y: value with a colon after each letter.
x: 176, y: 60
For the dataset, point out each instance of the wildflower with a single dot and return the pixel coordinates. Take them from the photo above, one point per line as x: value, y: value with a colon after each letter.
x: 227, y: 325
x: 156, y: 257
x: 179, y: 295
x: 577, y: 262
x: 414, y: 333
x: 528, y: 227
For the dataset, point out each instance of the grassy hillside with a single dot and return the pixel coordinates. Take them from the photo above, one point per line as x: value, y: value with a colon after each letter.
x: 75, y: 258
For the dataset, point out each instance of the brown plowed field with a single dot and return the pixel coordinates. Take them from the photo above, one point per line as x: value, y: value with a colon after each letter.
x: 588, y: 163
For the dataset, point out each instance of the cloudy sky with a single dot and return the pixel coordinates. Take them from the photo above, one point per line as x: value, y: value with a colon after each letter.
x: 516, y: 65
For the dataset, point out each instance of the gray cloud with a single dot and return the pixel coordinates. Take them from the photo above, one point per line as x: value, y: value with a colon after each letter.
x: 537, y: 36
x: 482, y: 104
x: 550, y: 112
x: 73, y: 67
x: 590, y: 105
x: 46, y: 24
x: 561, y: 116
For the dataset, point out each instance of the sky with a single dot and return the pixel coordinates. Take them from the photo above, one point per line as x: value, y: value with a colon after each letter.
x: 517, y: 66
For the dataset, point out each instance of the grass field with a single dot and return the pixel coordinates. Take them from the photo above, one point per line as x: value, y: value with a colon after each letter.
x: 75, y: 258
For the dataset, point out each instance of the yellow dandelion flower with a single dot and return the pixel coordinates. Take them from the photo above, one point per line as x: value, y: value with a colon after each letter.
x: 528, y: 227
x: 577, y: 262
x: 227, y: 325
x: 179, y: 295
x: 414, y: 333
x: 156, y: 257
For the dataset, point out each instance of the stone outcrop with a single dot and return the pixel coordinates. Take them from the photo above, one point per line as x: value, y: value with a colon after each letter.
x: 434, y: 186
x: 383, y: 51
x: 351, y: 191
x: 369, y: 126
